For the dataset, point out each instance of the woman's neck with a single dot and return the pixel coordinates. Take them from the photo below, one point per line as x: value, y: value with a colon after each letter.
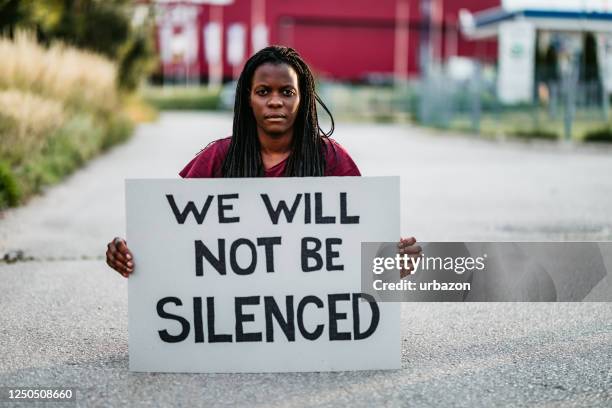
x: 275, y: 145
x: 274, y: 149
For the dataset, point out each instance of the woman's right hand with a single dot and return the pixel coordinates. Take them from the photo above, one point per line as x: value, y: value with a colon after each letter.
x: 119, y: 257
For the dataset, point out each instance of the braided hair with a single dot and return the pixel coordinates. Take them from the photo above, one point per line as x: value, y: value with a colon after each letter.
x: 307, y: 156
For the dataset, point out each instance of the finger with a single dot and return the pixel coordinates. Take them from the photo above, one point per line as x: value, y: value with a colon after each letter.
x: 405, y: 272
x: 406, y: 241
x: 119, y: 257
x: 112, y: 248
x: 123, y: 248
x: 124, y: 270
x: 116, y: 267
x: 413, y: 249
x: 129, y: 265
x: 111, y: 260
x: 118, y: 245
x: 117, y: 262
x: 406, y: 245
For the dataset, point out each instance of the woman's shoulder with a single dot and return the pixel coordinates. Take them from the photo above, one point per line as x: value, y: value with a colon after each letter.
x: 333, y: 147
x: 338, y: 161
x: 219, y: 145
x: 207, y: 163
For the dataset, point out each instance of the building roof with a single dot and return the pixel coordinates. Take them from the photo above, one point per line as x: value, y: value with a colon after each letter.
x: 486, y: 23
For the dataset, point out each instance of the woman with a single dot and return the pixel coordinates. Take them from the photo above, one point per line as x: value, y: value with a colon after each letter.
x: 276, y: 133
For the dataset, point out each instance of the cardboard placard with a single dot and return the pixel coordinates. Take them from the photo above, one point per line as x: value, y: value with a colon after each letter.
x: 258, y: 275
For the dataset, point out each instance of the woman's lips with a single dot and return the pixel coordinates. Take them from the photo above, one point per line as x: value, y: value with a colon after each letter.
x: 275, y: 118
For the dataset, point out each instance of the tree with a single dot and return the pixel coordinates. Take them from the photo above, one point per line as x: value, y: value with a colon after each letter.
x: 101, y: 26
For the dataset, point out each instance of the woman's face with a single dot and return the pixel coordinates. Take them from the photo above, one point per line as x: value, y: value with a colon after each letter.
x: 275, y: 99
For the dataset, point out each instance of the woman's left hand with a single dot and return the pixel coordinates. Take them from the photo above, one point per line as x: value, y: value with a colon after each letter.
x: 408, y: 246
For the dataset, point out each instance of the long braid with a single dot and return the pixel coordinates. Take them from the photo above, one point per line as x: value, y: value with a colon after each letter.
x: 307, y: 156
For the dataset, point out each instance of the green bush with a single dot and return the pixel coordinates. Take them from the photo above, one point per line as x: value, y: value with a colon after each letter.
x: 10, y: 194
x: 535, y: 134
x: 59, y: 107
x: 603, y: 135
x: 180, y: 98
x: 118, y: 129
x: 136, y: 61
x: 68, y: 148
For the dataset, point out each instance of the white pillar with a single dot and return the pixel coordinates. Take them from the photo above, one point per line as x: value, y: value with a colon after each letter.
x: 236, y: 47
x: 213, y: 42
x: 259, y: 29
x: 401, y: 43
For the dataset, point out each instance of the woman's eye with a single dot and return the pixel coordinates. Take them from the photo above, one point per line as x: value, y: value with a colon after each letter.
x: 288, y: 92
x: 261, y: 92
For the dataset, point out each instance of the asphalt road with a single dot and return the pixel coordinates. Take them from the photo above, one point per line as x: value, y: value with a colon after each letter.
x: 64, y: 313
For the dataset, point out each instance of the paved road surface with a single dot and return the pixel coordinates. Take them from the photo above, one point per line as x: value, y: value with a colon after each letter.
x: 64, y: 313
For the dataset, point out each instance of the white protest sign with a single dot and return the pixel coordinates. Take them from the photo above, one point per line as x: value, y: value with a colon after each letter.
x: 258, y: 275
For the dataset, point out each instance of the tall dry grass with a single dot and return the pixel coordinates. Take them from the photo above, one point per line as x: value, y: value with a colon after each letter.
x: 59, y: 107
x: 28, y: 120
x: 72, y: 76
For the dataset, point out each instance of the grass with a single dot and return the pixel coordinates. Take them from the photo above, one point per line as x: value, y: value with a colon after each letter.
x: 535, y: 133
x: 182, y: 98
x: 525, y: 122
x: 26, y: 120
x: 10, y: 193
x: 531, y: 124
x: 59, y: 107
x: 361, y: 102
x: 602, y: 135
x: 138, y: 110
x: 75, y: 78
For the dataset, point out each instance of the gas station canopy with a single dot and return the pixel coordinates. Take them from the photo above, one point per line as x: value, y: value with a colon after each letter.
x: 516, y: 25
x: 486, y: 23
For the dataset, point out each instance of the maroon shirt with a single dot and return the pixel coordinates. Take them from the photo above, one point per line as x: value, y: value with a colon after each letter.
x: 207, y: 164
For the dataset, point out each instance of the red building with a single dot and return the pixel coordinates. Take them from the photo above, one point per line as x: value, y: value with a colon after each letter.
x: 344, y: 39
